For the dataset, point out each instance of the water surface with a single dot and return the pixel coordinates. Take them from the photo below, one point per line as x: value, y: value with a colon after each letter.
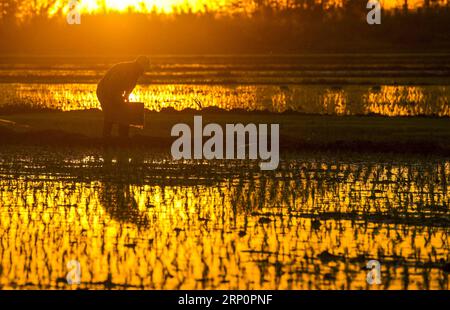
x: 341, y: 84
x: 314, y: 99
x: 138, y: 221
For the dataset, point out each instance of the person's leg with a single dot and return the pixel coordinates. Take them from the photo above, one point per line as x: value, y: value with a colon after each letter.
x: 122, y: 117
x: 107, y: 128
x: 105, y: 104
x: 124, y: 130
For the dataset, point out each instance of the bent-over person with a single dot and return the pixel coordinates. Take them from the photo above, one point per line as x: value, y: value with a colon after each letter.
x: 113, y: 91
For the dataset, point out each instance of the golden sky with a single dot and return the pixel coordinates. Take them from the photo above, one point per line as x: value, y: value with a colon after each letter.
x: 148, y: 5
x: 195, y: 5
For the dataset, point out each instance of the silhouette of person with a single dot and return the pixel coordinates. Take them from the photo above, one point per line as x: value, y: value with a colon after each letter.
x: 113, y: 91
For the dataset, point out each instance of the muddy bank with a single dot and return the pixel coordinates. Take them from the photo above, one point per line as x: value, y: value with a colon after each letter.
x: 298, y: 132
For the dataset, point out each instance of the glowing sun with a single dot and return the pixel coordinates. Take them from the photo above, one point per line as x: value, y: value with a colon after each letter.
x: 146, y: 5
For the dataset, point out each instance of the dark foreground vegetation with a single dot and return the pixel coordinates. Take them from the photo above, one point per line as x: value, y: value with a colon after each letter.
x: 298, y: 132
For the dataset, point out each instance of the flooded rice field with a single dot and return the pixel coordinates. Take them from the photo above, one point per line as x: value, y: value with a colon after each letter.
x: 388, y: 100
x: 383, y: 84
x: 135, y: 220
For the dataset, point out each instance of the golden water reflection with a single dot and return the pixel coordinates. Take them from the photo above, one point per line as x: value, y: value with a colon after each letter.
x: 317, y: 99
x: 156, y: 224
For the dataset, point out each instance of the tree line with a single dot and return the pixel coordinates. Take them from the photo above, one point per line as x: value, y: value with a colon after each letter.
x: 245, y: 26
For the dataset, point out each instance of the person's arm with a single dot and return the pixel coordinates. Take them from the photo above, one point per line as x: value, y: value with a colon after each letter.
x: 129, y: 90
x: 124, y: 79
x: 126, y: 95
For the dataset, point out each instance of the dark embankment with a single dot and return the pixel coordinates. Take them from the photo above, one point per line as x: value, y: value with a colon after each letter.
x: 298, y: 132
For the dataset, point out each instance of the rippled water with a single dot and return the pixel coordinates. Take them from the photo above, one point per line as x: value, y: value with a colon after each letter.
x: 139, y: 221
x: 317, y: 99
x: 342, y: 84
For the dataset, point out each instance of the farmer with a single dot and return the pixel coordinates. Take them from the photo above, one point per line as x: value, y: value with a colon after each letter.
x: 113, y: 91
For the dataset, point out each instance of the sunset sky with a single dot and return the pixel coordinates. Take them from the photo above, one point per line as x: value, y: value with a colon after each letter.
x: 148, y: 5
x: 195, y: 5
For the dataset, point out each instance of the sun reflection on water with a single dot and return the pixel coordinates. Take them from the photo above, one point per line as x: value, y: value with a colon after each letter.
x: 350, y: 100
x: 141, y: 224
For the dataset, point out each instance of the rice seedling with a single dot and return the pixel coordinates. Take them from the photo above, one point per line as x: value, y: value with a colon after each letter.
x: 143, y: 221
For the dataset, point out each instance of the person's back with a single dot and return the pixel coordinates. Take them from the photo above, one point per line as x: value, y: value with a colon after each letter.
x: 113, y: 91
x: 120, y: 78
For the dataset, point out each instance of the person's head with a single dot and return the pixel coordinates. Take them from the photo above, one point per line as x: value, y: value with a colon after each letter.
x: 143, y: 62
